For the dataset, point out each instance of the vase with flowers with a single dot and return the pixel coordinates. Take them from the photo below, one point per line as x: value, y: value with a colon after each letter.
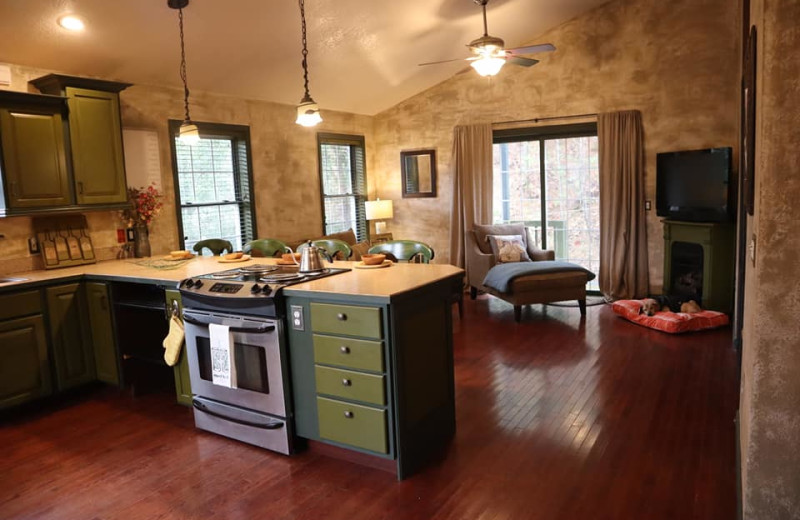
x: 145, y: 205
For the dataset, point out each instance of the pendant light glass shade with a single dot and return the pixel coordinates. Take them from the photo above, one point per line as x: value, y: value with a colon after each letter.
x: 188, y: 133
x: 308, y: 113
x: 488, y: 65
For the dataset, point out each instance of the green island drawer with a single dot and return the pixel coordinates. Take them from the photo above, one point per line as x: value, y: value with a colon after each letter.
x: 358, y: 386
x: 349, y: 353
x: 359, y: 426
x: 14, y: 305
x: 346, y: 319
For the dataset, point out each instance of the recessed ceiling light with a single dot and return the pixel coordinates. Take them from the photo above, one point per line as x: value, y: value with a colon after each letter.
x: 71, y: 23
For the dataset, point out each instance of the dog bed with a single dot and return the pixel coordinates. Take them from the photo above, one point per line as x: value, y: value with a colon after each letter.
x: 671, y: 322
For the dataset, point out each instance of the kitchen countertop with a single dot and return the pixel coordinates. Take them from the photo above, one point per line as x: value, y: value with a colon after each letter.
x: 381, y: 283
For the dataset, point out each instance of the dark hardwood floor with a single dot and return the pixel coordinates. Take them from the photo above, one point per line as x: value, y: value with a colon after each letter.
x: 558, y: 418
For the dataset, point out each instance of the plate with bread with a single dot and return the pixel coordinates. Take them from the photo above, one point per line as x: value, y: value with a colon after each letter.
x: 179, y: 255
x: 233, y: 257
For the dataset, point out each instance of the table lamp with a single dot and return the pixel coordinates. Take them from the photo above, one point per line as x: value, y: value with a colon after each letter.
x: 379, y: 210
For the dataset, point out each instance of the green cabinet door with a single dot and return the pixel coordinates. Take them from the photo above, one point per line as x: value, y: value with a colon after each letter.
x: 96, y: 143
x: 34, y: 161
x: 183, y: 387
x: 24, y: 371
x: 101, y: 325
x: 72, y: 346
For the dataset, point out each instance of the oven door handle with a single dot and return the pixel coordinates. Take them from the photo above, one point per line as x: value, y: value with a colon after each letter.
x: 271, y: 425
x: 243, y: 330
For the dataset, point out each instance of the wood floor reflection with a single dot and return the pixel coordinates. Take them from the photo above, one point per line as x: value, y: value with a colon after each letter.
x: 559, y: 417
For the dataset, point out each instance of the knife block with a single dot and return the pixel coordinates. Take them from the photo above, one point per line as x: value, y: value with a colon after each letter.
x: 64, y: 241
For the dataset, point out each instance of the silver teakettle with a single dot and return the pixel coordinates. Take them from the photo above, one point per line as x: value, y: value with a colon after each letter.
x: 311, y: 258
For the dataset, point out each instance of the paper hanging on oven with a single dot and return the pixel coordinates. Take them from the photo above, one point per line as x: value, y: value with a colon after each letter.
x: 223, y: 365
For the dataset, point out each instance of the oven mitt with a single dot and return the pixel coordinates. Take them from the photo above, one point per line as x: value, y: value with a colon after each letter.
x: 174, y: 341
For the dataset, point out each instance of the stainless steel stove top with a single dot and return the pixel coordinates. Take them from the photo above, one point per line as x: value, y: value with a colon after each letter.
x: 256, y: 288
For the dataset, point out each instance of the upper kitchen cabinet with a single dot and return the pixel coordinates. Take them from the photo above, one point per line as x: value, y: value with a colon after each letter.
x: 62, y: 151
x: 34, y: 166
x: 95, y: 136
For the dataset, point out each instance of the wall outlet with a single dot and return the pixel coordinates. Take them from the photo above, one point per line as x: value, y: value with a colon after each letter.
x: 297, y: 317
x: 647, y: 205
x: 33, y: 246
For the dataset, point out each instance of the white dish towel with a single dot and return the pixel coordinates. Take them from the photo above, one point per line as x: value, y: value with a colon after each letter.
x: 223, y: 367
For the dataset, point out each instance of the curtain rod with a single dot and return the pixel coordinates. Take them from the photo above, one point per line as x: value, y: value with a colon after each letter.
x: 538, y: 119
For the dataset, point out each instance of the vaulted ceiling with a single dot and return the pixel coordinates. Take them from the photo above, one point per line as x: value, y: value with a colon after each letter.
x: 363, y: 54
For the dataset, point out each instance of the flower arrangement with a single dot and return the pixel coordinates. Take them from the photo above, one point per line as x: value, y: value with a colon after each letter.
x: 146, y: 204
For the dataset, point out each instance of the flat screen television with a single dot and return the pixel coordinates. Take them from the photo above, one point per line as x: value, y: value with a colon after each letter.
x: 694, y: 185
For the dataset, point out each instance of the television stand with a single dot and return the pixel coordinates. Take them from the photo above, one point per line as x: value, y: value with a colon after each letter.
x: 699, y: 257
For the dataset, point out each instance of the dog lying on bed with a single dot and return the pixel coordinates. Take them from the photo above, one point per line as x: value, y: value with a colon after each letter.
x: 669, y: 303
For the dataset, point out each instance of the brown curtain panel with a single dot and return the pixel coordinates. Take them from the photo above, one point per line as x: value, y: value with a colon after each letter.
x: 472, y: 185
x: 623, y: 232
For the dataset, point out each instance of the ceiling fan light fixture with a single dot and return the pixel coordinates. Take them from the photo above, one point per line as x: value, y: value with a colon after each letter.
x: 488, y: 65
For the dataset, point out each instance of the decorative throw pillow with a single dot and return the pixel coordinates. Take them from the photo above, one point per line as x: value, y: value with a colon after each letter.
x: 359, y: 249
x: 508, y: 248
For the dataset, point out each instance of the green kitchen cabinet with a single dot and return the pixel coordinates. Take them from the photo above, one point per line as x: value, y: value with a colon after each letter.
x: 73, y: 354
x: 374, y: 375
x: 101, y: 325
x: 183, y: 387
x: 95, y: 136
x: 25, y: 369
x: 34, y: 163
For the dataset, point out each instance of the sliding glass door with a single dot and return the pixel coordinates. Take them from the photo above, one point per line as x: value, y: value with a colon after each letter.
x: 547, y: 178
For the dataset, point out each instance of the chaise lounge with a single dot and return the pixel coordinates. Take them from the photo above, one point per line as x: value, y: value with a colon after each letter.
x: 552, y: 281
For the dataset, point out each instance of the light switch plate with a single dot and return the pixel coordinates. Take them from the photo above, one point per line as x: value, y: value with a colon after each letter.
x: 751, y: 250
x: 33, y: 246
x: 298, y: 323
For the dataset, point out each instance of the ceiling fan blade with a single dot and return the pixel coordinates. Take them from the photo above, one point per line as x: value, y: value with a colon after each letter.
x: 443, y: 61
x: 532, y: 49
x: 524, y: 62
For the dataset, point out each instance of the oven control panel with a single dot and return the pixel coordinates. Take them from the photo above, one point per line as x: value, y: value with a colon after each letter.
x: 225, y: 288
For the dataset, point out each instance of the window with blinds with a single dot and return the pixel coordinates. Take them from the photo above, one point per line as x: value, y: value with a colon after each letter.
x: 343, y: 181
x: 214, y: 182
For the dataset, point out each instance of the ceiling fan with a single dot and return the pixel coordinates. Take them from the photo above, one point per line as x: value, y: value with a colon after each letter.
x: 489, y: 54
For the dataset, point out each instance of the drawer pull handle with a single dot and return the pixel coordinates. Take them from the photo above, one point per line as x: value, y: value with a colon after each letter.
x: 348, y: 414
x: 341, y: 316
x: 346, y: 382
x: 344, y: 350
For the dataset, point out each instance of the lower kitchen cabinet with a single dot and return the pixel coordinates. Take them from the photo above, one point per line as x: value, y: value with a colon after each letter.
x: 25, y: 370
x: 102, y: 332
x: 374, y: 375
x: 183, y: 387
x: 73, y: 354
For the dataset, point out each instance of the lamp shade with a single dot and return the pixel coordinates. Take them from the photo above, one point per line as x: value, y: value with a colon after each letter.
x: 379, y: 209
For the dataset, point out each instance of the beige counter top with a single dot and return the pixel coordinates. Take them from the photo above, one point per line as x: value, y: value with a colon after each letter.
x: 381, y: 283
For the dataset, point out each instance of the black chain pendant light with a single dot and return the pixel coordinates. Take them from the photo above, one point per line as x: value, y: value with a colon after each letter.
x: 307, y: 110
x: 188, y: 132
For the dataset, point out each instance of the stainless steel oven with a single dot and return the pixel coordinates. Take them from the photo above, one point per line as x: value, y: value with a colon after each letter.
x: 254, y: 409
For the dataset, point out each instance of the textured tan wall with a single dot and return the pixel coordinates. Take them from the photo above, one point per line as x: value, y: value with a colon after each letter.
x: 770, y: 404
x: 286, y: 176
x: 677, y: 62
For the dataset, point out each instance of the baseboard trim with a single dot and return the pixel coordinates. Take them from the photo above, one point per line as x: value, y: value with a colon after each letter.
x: 739, y: 502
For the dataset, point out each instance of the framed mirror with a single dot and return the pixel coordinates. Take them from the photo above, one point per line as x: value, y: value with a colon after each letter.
x: 418, y: 169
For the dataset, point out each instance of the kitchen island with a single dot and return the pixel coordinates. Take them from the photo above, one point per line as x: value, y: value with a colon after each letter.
x: 370, y: 350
